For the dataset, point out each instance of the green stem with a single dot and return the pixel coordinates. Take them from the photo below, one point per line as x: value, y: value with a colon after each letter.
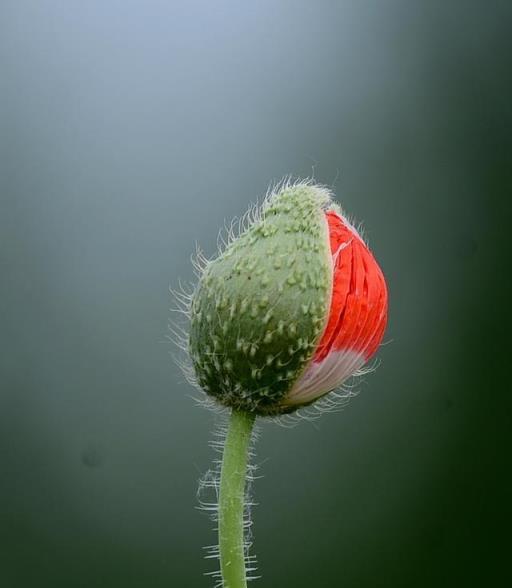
x: 232, y: 498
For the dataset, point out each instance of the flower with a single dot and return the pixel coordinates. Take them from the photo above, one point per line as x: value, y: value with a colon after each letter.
x: 290, y: 309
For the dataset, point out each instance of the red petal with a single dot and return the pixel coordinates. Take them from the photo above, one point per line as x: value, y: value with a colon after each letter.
x: 358, y: 313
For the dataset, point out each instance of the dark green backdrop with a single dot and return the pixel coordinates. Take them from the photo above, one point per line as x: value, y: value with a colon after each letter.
x: 129, y: 131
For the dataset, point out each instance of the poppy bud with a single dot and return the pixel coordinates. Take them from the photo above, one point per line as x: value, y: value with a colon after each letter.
x: 290, y: 309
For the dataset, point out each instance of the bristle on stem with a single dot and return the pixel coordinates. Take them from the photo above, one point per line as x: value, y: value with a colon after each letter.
x: 232, y: 545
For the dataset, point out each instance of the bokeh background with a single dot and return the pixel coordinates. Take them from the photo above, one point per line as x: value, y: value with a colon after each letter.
x: 129, y: 131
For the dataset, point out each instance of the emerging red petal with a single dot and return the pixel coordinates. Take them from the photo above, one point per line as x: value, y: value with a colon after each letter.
x: 357, y: 316
x: 358, y: 313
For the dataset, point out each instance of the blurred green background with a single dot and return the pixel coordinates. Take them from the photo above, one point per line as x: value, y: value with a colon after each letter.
x: 129, y: 131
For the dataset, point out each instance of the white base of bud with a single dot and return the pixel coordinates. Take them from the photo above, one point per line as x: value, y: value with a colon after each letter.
x: 323, y: 376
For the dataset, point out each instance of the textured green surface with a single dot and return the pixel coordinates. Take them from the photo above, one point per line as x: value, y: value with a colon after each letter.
x: 260, y: 308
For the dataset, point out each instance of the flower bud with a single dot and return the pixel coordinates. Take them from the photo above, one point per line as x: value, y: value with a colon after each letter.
x: 290, y: 309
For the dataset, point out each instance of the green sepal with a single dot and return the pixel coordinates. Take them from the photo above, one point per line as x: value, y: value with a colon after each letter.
x: 260, y: 308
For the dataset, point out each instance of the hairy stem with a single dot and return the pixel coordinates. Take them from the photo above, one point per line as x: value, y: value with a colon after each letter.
x: 232, y: 498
